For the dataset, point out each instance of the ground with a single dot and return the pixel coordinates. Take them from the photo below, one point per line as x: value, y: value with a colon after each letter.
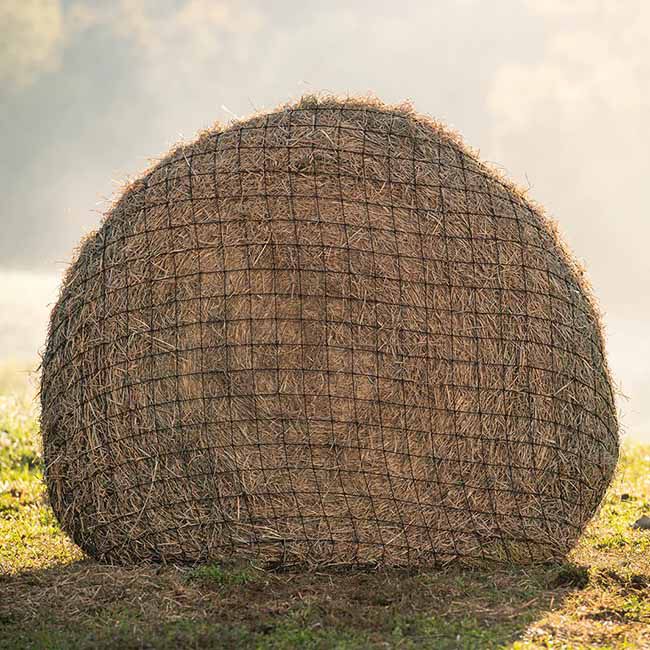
x: 51, y: 596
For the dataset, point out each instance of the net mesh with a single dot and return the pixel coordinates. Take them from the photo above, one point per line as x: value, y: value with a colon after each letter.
x: 326, y: 335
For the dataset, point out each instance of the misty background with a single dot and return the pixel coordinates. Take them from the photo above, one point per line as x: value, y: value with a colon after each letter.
x: 554, y: 92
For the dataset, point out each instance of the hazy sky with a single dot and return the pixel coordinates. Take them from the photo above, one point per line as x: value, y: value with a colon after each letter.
x: 556, y: 92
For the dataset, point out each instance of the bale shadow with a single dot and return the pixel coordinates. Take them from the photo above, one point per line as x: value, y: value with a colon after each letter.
x: 86, y: 604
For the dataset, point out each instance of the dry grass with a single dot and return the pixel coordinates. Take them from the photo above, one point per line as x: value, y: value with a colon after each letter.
x: 329, y: 335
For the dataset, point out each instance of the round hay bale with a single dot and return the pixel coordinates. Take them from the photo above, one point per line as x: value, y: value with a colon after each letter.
x: 326, y: 335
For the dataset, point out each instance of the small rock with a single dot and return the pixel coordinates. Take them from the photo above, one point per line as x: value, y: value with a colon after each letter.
x: 642, y: 523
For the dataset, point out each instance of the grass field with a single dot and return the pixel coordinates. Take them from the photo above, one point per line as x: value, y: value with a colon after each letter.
x: 53, y: 597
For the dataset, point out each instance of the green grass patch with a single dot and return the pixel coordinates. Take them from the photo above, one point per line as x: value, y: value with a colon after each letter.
x: 220, y: 575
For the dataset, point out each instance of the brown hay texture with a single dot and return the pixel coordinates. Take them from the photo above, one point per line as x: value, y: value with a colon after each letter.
x: 327, y: 335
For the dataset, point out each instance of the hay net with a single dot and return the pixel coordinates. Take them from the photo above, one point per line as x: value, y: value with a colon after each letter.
x: 326, y: 335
